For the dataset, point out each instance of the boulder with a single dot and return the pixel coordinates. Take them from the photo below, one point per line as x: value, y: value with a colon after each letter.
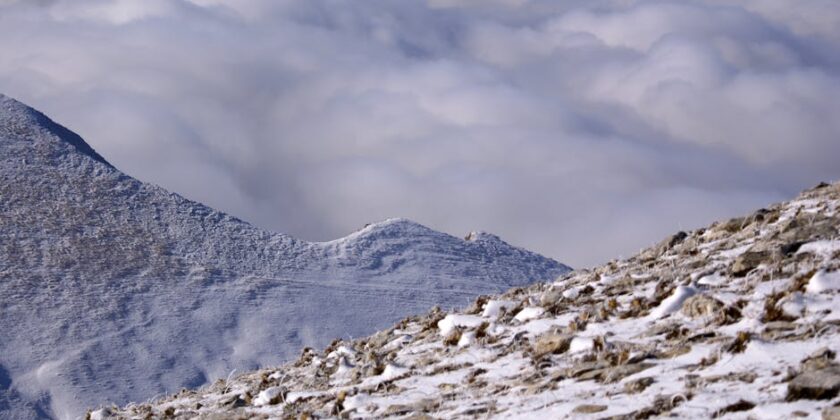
x: 748, y: 261
x: 551, y: 343
x: 701, y: 305
x: 822, y: 384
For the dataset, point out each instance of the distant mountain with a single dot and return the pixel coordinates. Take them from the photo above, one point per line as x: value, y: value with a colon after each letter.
x: 116, y: 290
x: 740, y: 320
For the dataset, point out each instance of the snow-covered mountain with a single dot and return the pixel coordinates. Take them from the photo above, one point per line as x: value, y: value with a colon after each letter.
x: 737, y: 320
x: 116, y: 290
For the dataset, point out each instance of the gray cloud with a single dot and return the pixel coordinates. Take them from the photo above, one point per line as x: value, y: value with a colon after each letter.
x: 580, y: 129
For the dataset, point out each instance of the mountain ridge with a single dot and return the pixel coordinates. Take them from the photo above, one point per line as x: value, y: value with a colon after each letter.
x: 100, y: 273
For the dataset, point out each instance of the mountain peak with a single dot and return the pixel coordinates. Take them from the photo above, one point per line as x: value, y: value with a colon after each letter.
x: 397, y: 226
x: 110, y: 260
x: 19, y: 122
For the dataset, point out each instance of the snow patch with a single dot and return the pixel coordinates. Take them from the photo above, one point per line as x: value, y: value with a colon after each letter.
x: 467, y: 339
x: 267, y: 395
x: 448, y: 324
x: 821, y: 248
x: 580, y: 344
x: 673, y: 303
x: 572, y: 293
x: 392, y: 371
x: 712, y: 280
x: 824, y: 281
x: 529, y: 313
x: 493, y: 308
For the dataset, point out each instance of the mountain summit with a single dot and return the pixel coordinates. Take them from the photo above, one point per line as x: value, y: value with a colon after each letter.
x: 24, y: 124
x: 112, y: 289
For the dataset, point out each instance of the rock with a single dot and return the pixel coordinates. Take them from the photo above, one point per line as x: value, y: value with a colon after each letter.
x: 831, y: 413
x: 420, y: 416
x: 733, y: 225
x: 589, y: 408
x: 790, y: 248
x: 101, y: 414
x: 612, y: 375
x: 638, y: 385
x: 270, y: 396
x: 739, y: 343
x: 422, y: 406
x: 453, y: 338
x: 701, y: 306
x: 741, y: 405
x: 820, y: 359
x: 551, y: 343
x: 761, y: 215
x: 582, y: 370
x: 603, y: 372
x: 779, y: 326
x: 550, y: 297
x: 823, y: 384
x: 398, y: 410
x: 748, y: 261
x: 663, y: 246
x: 809, y: 227
x: 675, y: 239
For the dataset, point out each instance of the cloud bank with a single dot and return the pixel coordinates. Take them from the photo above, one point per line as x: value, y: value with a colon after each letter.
x: 581, y: 129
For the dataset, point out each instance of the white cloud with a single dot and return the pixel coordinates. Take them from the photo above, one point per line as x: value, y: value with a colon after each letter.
x: 114, y: 12
x: 581, y: 129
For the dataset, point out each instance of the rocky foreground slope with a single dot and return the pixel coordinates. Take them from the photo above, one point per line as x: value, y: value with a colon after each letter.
x: 738, y: 320
x: 113, y: 290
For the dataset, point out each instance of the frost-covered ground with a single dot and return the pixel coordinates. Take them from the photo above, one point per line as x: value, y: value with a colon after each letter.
x: 112, y: 290
x: 738, y: 320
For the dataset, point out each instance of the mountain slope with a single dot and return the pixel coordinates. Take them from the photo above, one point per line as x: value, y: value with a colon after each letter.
x: 116, y: 290
x: 738, y: 320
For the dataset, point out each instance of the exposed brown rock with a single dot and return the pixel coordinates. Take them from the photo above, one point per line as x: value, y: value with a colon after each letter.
x: 748, y: 261
x: 589, y: 408
x: 551, y: 343
x: 638, y: 385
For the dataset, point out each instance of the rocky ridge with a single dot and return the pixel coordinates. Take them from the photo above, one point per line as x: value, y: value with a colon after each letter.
x: 737, y: 320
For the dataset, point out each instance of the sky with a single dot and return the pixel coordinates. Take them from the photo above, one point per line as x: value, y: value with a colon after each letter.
x: 581, y: 129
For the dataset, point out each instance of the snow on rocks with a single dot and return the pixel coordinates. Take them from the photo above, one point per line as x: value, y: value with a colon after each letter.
x: 393, y: 370
x: 467, y: 339
x: 674, y: 302
x: 452, y: 321
x: 344, y: 368
x: 529, y: 313
x: 824, y: 281
x: 712, y: 280
x: 824, y: 248
x: 493, y: 308
x: 100, y: 414
x: 572, y: 292
x: 342, y: 351
x: 269, y: 396
x: 757, y: 342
